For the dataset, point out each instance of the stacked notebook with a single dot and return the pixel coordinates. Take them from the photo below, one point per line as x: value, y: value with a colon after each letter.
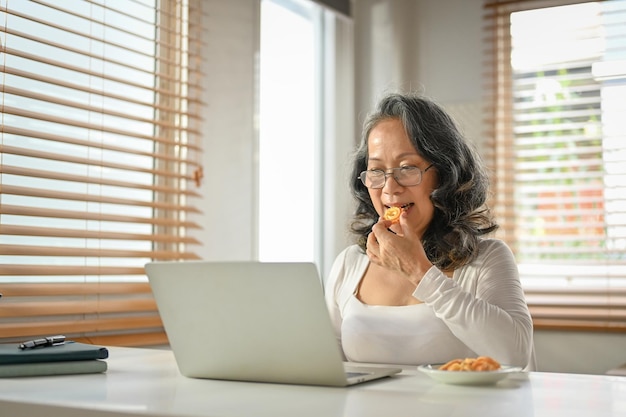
x: 67, y: 358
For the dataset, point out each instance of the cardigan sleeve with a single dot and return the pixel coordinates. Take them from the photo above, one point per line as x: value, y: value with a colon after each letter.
x: 484, y: 306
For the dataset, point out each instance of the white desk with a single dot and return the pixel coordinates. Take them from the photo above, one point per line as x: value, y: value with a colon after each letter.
x: 144, y: 382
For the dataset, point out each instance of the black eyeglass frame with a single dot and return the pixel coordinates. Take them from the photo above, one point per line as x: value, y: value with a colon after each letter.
x: 392, y: 172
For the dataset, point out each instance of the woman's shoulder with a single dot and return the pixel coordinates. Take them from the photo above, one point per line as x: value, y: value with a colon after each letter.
x: 348, y: 264
x: 352, y: 253
x: 489, y: 245
x: 494, y: 252
x: 350, y: 259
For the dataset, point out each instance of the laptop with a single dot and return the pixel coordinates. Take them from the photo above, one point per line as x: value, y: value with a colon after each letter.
x: 252, y: 321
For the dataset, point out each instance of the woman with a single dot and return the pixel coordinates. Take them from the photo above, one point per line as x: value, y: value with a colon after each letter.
x: 431, y: 287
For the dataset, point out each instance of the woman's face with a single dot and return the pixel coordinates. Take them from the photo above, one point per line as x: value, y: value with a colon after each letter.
x: 388, y: 146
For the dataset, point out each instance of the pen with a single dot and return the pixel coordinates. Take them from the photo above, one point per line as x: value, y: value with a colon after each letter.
x: 44, y: 342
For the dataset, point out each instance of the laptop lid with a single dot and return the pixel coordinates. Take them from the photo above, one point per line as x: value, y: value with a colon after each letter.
x: 250, y: 321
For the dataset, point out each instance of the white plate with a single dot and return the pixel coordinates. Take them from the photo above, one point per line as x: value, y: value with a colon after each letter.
x: 469, y: 377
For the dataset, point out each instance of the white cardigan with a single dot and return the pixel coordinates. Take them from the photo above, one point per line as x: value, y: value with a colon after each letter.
x: 480, y: 311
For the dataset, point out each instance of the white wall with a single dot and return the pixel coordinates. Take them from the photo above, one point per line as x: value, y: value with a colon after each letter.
x: 432, y: 46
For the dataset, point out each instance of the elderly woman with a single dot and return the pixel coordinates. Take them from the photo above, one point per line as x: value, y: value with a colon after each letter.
x: 429, y: 287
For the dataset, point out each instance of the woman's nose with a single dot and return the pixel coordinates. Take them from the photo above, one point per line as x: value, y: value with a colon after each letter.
x: 391, y: 185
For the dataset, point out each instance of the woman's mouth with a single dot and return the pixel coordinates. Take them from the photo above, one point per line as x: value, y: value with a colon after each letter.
x: 404, y: 207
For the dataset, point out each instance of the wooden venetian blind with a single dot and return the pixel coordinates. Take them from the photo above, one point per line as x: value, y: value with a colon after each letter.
x: 99, y: 162
x: 557, y: 81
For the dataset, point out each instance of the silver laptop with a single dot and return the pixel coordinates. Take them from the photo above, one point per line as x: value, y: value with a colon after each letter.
x: 251, y: 321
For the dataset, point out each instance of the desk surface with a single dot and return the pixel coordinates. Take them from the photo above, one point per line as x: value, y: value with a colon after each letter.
x: 146, y: 382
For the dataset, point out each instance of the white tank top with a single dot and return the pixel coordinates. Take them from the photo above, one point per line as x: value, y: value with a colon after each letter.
x: 397, y: 335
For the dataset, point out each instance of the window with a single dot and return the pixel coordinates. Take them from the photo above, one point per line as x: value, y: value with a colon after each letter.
x: 306, y: 115
x: 558, y: 131
x: 289, y: 132
x: 99, y: 162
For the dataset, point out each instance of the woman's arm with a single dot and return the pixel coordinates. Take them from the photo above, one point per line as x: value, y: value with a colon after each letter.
x: 484, y: 306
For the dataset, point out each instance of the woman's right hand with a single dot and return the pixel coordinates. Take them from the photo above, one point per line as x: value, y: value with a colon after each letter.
x: 402, y: 252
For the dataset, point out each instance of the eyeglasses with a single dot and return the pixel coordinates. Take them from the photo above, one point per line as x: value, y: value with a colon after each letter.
x: 406, y: 176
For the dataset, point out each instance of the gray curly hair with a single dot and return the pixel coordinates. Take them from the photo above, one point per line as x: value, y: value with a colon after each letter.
x: 461, y: 214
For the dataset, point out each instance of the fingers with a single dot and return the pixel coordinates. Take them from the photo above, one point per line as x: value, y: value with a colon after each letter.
x: 382, y: 227
x: 379, y: 244
x: 400, y: 249
x: 372, y: 248
x: 407, y: 231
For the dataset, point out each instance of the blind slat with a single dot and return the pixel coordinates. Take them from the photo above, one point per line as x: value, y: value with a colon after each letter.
x: 60, y: 288
x: 32, y: 250
x: 79, y: 326
x: 578, y: 312
x: 83, y: 215
x: 579, y: 325
x: 68, y: 307
x: 92, y: 234
x: 56, y: 270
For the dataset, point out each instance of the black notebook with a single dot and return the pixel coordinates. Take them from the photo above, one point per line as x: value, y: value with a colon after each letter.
x: 91, y: 366
x: 68, y: 351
